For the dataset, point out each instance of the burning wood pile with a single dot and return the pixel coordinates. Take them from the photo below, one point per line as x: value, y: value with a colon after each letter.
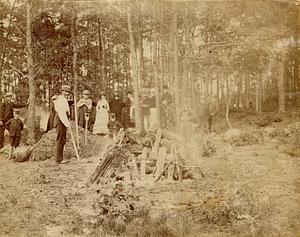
x: 143, y: 156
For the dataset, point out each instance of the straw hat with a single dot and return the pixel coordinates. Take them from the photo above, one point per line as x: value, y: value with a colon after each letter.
x: 66, y: 88
x: 9, y: 94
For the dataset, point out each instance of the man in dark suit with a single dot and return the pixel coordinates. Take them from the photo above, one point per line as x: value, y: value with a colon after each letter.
x: 50, y: 123
x: 167, y: 109
x: 15, y: 126
x: 6, y: 113
x: 116, y: 106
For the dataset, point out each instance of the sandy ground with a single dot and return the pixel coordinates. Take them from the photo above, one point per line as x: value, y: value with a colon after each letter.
x: 46, y: 199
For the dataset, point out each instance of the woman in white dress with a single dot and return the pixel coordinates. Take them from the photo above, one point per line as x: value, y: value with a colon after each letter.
x: 102, y: 116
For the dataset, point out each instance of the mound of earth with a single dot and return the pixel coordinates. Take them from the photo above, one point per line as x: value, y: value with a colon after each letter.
x: 45, y: 148
x: 238, y: 138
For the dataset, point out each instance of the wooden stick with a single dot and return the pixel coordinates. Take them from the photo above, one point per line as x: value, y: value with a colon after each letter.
x: 143, y: 163
x: 37, y: 72
x: 156, y: 143
x: 85, y: 134
x: 74, y: 144
x: 177, y: 164
x: 122, y: 137
x: 76, y: 119
x: 161, y: 174
x: 86, y: 129
x: 17, y: 70
x: 160, y: 162
x: 171, y: 168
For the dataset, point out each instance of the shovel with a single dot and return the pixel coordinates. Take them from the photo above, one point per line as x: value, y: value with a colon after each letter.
x: 87, y: 117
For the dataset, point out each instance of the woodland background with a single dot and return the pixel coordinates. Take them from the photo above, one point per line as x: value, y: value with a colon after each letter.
x: 241, y: 52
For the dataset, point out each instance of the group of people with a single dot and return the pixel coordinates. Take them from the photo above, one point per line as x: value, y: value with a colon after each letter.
x: 102, y: 117
x: 115, y: 110
x: 110, y: 116
x: 95, y: 116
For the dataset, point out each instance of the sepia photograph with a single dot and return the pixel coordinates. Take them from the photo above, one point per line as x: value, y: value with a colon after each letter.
x: 150, y: 118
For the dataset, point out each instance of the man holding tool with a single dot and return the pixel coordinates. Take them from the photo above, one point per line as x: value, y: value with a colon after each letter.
x: 61, y: 120
x: 84, y: 106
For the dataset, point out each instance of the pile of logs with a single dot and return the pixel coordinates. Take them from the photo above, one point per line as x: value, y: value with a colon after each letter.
x: 147, y: 155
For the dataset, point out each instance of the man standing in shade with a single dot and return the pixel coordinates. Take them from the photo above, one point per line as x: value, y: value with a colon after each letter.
x: 84, y: 107
x: 61, y: 120
x: 167, y: 109
x: 116, y: 106
x: 6, y: 113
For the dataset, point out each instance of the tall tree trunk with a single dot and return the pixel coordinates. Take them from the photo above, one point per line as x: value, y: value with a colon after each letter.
x: 31, y: 82
x: 257, y: 97
x: 261, y: 99
x: 281, y: 87
x: 133, y: 70
x: 297, y: 79
x: 228, y: 101
x: 228, y: 92
x: 206, y: 81
x: 210, y: 85
x: 218, y: 90
x: 75, y: 73
x: 99, y: 55
x: 246, y: 94
x: 223, y: 100
x: 175, y: 61
x: 157, y: 81
x: 103, y: 57
x: 184, y: 92
x: 140, y: 55
x: 228, y: 109
x: 239, y: 101
x: 140, y: 50
x: 4, y: 46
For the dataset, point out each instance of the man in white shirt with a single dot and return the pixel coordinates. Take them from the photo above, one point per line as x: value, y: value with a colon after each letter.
x: 61, y: 120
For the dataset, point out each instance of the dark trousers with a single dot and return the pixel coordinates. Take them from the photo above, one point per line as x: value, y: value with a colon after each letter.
x: 2, y: 129
x: 210, y: 120
x: 14, y: 141
x: 61, y: 138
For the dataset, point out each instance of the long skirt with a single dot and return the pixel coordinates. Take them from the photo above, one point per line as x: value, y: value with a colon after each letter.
x: 102, y: 118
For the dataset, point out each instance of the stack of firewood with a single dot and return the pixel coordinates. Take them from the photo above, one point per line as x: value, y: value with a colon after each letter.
x: 143, y: 155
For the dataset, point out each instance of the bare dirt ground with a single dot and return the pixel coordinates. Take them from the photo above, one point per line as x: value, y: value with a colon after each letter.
x: 251, y: 190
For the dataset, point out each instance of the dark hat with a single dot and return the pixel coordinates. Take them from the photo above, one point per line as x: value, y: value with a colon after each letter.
x: 17, y: 111
x: 86, y: 92
x: 66, y: 88
x: 165, y: 87
x: 54, y: 97
x: 112, y: 115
